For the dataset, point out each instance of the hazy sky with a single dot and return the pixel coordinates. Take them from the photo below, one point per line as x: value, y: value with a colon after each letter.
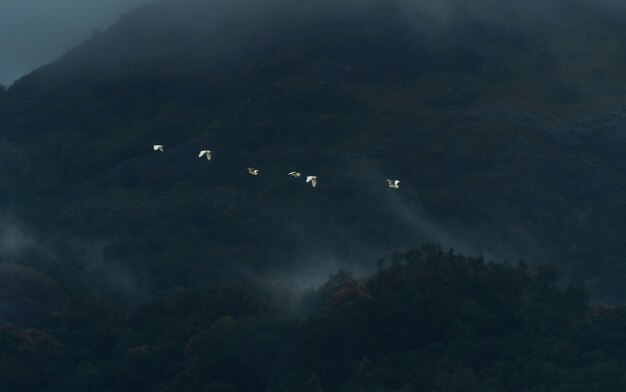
x: 36, y: 32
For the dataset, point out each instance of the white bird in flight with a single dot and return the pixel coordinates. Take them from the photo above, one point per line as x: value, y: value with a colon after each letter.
x: 295, y: 174
x: 312, y: 180
x: 206, y: 153
x: 253, y: 171
x: 158, y: 147
x: 393, y: 183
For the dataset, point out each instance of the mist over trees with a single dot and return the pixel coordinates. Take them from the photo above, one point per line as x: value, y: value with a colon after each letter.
x: 122, y: 268
x: 478, y: 112
x: 431, y: 320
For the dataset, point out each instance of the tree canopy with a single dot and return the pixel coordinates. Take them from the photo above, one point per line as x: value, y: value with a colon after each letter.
x: 431, y: 321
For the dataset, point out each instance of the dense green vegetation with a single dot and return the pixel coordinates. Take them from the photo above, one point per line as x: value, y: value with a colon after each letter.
x: 429, y: 321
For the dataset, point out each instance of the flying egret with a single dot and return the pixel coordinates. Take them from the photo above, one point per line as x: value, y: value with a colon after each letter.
x: 393, y: 183
x: 206, y: 153
x: 295, y: 174
x: 253, y: 171
x: 158, y: 147
x: 312, y: 180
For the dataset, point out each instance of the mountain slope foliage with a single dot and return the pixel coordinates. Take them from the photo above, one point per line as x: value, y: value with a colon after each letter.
x: 506, y: 142
x: 430, y: 320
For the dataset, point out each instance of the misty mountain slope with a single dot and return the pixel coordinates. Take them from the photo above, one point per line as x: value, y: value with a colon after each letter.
x: 481, y: 111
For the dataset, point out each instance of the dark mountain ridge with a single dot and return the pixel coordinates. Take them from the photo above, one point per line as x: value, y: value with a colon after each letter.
x: 470, y: 105
x: 126, y: 269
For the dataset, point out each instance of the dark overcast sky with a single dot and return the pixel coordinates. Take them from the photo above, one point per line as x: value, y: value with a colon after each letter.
x: 36, y: 32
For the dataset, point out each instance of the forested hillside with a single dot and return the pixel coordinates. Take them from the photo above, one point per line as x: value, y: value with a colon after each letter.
x: 125, y: 268
x: 429, y: 321
x: 507, y: 143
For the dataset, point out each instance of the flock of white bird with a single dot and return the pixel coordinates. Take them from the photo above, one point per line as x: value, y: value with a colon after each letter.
x: 255, y: 172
